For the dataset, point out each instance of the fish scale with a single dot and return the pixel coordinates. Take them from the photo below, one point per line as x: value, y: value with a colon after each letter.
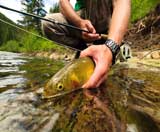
x: 70, y: 78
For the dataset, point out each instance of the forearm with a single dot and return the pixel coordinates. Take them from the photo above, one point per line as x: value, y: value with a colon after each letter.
x: 68, y: 11
x: 120, y: 20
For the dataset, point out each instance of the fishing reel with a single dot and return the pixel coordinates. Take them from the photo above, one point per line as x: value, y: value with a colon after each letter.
x: 125, y: 52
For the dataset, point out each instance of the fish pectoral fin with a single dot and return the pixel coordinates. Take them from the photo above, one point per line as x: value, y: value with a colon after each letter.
x: 75, y: 80
x: 75, y: 83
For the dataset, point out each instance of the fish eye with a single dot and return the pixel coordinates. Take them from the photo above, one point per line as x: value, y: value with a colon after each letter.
x: 60, y: 87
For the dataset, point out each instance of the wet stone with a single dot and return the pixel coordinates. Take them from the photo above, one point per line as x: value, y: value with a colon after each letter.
x: 155, y: 55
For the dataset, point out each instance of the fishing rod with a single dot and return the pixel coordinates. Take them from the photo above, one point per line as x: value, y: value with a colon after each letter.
x: 104, y: 36
x: 42, y: 18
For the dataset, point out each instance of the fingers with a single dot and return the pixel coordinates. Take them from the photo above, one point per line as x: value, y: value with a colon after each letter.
x: 102, y: 57
x: 90, y: 28
x: 96, y: 79
x: 101, y: 80
x: 99, y: 73
x: 101, y: 66
x: 86, y: 52
x: 92, y: 36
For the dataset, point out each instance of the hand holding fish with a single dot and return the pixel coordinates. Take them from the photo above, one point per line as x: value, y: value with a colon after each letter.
x: 102, y: 57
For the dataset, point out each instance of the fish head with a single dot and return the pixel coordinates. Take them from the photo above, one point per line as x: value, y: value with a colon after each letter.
x: 71, y: 77
x: 55, y: 86
x: 61, y: 83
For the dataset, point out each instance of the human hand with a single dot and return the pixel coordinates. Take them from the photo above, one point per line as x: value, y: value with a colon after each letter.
x: 102, y: 56
x: 87, y: 25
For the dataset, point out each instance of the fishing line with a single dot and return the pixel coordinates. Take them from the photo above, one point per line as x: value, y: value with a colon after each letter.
x: 42, y: 18
x: 39, y: 36
x: 104, y: 36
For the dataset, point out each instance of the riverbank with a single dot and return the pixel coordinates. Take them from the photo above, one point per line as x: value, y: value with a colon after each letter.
x: 143, y: 37
x: 66, y: 55
x: 144, y: 34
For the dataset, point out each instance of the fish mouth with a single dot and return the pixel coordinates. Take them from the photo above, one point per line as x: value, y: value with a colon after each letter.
x: 44, y: 96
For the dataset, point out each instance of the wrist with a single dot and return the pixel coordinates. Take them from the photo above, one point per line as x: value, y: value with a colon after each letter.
x: 79, y: 22
x: 114, y: 49
x: 109, y: 55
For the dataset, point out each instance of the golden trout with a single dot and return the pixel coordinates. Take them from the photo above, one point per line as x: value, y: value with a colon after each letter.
x: 70, y: 77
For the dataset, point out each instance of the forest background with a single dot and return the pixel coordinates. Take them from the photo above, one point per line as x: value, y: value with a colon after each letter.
x: 16, y: 40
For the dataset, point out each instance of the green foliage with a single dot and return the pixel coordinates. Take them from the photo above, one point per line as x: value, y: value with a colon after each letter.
x: 30, y: 43
x: 141, y: 7
x: 6, y: 31
x: 54, y: 9
x: 34, y: 7
x: 11, y: 45
x: 12, y: 39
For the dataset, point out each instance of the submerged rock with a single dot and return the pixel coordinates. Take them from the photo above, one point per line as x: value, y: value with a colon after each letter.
x: 22, y: 113
x: 128, y: 101
x: 155, y: 55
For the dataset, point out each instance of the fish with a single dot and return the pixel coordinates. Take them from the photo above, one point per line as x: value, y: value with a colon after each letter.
x: 70, y: 78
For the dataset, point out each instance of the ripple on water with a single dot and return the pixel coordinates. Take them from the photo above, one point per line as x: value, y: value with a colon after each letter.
x: 11, y: 80
x: 8, y: 69
x: 20, y: 111
x: 10, y: 75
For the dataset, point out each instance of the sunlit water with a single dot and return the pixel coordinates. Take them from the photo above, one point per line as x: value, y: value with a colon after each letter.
x: 9, y: 69
x: 20, y: 108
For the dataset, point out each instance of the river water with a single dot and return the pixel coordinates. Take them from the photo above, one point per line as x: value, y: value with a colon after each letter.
x: 21, y: 108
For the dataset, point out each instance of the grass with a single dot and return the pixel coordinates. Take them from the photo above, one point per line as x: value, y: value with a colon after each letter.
x: 141, y: 7
x: 30, y: 43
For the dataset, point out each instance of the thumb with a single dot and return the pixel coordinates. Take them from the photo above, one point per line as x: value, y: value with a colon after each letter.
x: 91, y: 28
x: 86, y: 52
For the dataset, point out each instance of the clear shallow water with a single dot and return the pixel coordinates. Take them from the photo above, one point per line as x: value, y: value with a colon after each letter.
x: 9, y: 69
x: 21, y: 109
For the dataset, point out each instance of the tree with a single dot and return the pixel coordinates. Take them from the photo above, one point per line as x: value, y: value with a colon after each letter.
x: 55, y: 8
x: 7, y: 31
x: 33, y: 7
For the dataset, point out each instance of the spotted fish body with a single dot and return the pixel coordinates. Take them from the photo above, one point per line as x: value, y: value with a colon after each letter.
x: 70, y: 77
